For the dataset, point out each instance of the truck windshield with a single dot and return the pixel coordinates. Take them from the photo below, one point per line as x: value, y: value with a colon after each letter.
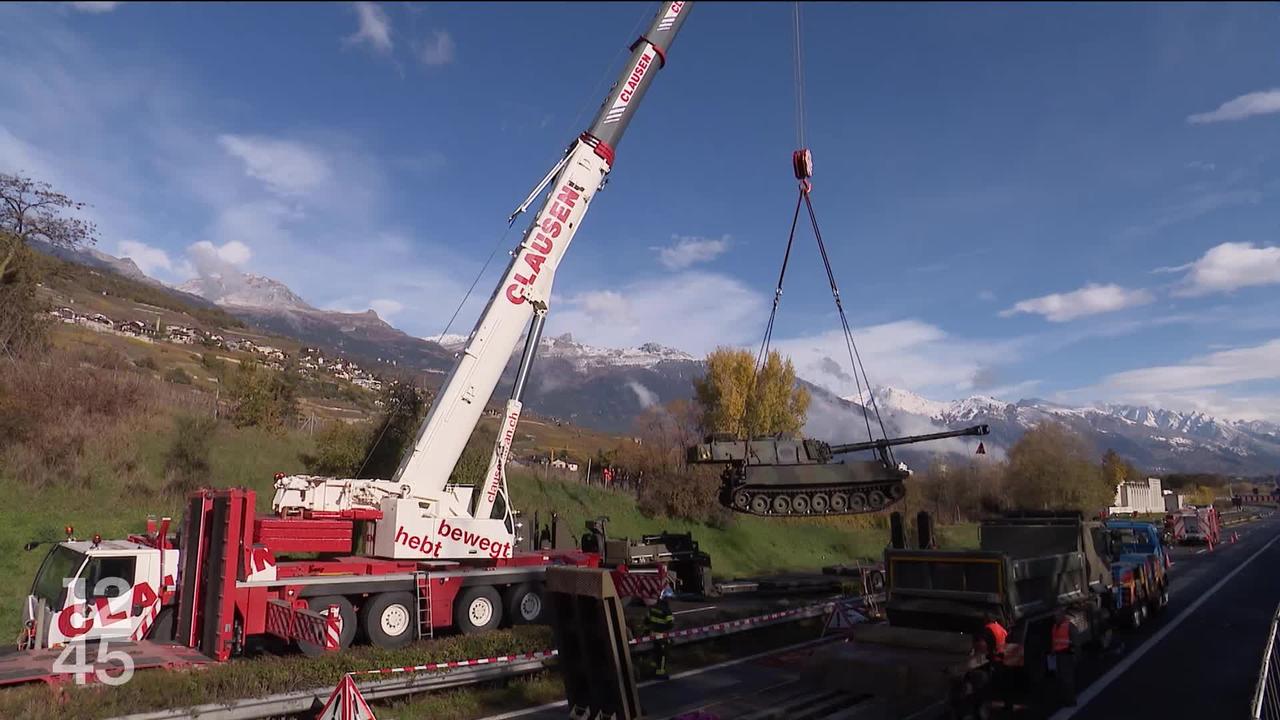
x: 1135, y: 539
x: 62, y: 562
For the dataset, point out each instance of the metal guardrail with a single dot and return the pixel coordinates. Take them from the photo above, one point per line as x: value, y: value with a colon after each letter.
x: 1266, y: 695
x: 303, y: 701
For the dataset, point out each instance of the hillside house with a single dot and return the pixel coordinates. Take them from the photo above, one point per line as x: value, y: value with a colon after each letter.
x: 1143, y: 496
x: 137, y: 328
x: 181, y: 335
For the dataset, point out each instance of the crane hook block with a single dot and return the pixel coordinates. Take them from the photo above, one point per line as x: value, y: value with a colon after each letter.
x: 802, y: 163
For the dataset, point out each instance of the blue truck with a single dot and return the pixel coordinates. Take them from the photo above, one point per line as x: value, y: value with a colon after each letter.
x: 1140, y: 570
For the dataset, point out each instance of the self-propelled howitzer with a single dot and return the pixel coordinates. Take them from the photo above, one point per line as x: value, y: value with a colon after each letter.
x: 798, y: 476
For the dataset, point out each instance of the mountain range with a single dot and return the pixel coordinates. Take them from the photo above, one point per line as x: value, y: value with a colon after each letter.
x: 609, y: 388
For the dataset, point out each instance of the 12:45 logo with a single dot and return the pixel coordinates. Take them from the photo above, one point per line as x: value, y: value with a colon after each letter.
x: 111, y: 667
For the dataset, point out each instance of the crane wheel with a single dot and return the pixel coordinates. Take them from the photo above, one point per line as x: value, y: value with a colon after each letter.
x: 346, y: 623
x: 857, y: 502
x: 759, y: 504
x: 839, y: 502
x: 742, y: 500
x: 876, y: 499
x: 524, y: 604
x: 387, y: 619
x: 800, y: 504
x: 478, y: 609
x: 820, y: 503
x: 782, y: 505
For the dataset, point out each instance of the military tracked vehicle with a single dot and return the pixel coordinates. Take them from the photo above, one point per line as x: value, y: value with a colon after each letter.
x: 799, y: 476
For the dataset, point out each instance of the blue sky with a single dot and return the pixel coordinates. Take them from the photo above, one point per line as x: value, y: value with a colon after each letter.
x: 1069, y: 202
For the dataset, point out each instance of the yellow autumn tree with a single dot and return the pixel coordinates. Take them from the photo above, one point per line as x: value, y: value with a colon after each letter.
x: 729, y: 402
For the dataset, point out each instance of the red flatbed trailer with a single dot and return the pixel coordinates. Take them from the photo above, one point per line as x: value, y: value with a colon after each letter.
x: 237, y: 582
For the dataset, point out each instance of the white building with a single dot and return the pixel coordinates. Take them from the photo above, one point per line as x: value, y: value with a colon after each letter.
x: 1144, y: 496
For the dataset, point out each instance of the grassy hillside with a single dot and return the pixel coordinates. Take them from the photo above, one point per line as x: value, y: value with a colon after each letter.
x: 747, y: 546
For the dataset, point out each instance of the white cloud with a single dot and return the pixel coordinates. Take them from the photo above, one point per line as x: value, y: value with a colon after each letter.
x: 438, y: 50
x: 693, y: 311
x: 690, y: 250
x: 1264, y: 102
x: 1226, y: 367
x: 286, y: 167
x: 1230, y: 266
x: 1228, y: 383
x: 1091, y: 299
x: 148, y: 259
x: 95, y: 7
x: 904, y: 353
x: 233, y: 252
x: 374, y: 30
x: 386, y: 307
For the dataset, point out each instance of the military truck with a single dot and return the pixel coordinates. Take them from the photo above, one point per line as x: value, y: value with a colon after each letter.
x: 1028, y: 565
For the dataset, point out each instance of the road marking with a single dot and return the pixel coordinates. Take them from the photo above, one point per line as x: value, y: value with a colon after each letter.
x: 1200, y: 552
x: 678, y: 676
x: 1123, y: 666
x: 694, y: 610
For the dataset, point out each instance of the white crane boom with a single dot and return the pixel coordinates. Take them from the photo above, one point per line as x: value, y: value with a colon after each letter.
x: 421, y: 514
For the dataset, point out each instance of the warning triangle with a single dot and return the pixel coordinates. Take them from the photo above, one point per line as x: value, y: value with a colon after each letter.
x: 843, y: 617
x: 346, y: 703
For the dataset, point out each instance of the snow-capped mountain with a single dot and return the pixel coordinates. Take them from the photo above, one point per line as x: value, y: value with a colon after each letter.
x: 584, y: 357
x: 245, y: 290
x: 1158, y: 439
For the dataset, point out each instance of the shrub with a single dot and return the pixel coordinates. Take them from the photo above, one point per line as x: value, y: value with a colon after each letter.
x: 177, y: 376
x: 146, y: 362
x: 691, y: 495
x: 186, y: 461
x: 263, y: 398
x: 23, y: 329
x: 340, y: 450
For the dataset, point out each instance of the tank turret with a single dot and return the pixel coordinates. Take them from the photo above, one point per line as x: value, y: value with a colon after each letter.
x: 800, y: 476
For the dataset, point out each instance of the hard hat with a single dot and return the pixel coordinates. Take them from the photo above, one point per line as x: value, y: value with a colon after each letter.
x: 667, y: 593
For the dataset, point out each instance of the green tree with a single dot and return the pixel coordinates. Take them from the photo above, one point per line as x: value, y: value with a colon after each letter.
x: 729, y: 402
x: 1050, y: 467
x: 403, y: 412
x: 32, y: 211
x: 263, y: 397
x: 187, y: 459
x: 23, y: 328
x: 340, y: 450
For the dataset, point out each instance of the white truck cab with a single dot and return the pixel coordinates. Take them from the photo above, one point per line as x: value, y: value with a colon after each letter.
x: 93, y: 590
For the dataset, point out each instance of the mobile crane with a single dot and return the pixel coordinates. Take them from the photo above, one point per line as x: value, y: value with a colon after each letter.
x: 392, y: 559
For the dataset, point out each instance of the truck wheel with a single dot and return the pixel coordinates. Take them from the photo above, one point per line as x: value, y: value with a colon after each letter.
x: 478, y: 609
x: 875, y: 581
x: 346, y: 623
x: 387, y: 620
x: 524, y: 604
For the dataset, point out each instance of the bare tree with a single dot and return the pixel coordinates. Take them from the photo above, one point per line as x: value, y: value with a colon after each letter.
x: 32, y: 210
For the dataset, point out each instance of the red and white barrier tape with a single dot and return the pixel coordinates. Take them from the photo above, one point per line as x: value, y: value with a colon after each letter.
x: 545, y: 654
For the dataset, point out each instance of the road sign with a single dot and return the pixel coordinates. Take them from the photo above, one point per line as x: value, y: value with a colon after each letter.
x: 346, y: 703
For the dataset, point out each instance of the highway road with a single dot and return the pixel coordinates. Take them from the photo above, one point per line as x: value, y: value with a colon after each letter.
x: 1199, y: 658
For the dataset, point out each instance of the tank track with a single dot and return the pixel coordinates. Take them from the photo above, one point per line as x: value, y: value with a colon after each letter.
x: 813, y: 500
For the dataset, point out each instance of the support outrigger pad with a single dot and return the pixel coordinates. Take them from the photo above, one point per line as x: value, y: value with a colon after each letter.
x: 590, y: 633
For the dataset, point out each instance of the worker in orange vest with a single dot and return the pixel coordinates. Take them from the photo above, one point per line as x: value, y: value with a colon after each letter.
x: 1062, y: 657
x: 981, y: 682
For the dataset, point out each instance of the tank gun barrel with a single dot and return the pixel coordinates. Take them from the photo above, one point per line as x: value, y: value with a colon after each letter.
x: 908, y: 440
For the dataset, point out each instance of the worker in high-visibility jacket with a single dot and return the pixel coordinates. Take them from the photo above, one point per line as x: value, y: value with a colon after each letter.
x: 660, y: 620
x: 982, y: 682
x: 1062, y: 656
